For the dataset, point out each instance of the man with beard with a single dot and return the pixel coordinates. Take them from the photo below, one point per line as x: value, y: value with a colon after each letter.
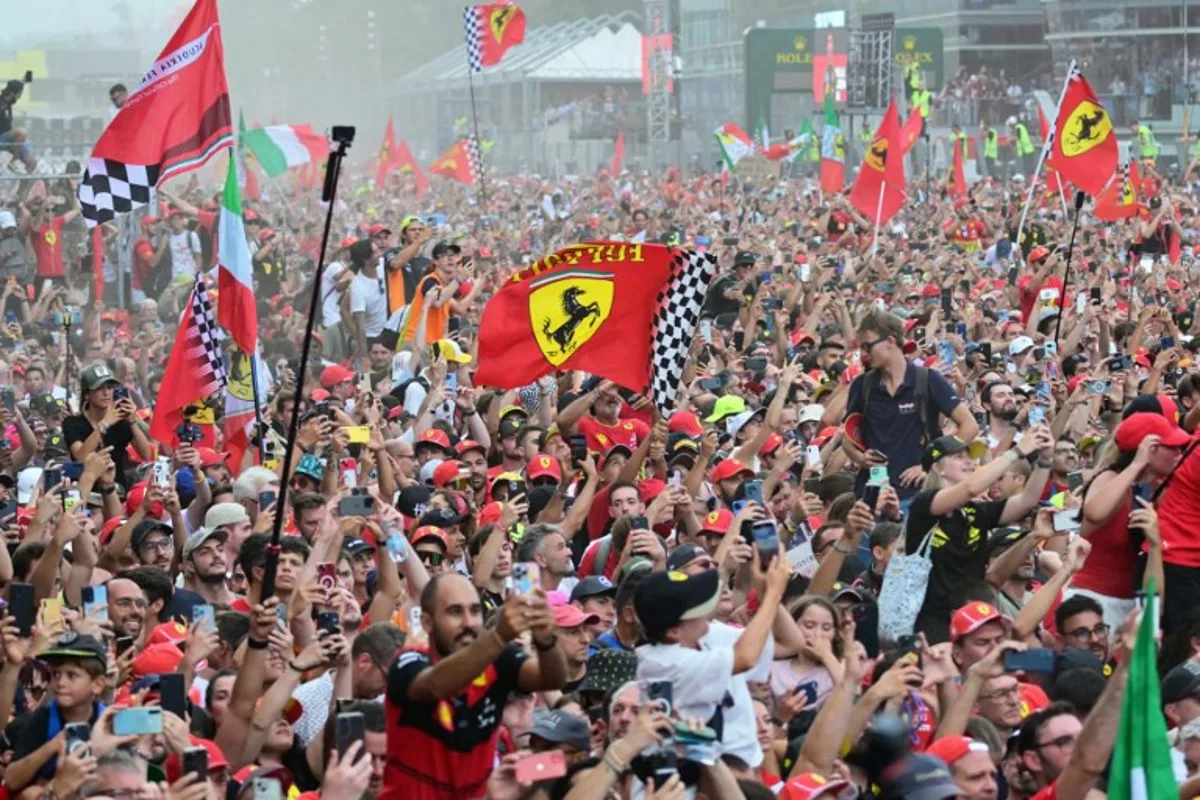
x: 545, y: 546
x: 444, y: 706
x: 205, y: 566
x: 512, y: 456
x: 1079, y: 622
x: 1046, y: 741
x: 153, y: 543
x: 1000, y: 403
x: 1066, y: 461
x: 603, y: 427
x: 126, y: 607
x: 473, y: 456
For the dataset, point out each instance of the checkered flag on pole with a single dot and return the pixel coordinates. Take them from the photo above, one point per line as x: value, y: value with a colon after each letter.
x: 471, y: 32
x: 110, y: 187
x: 474, y: 158
x: 195, y: 369
x: 674, y: 325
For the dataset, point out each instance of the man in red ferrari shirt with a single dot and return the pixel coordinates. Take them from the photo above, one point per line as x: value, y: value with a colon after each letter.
x: 147, y: 257
x: 603, y: 427
x: 965, y: 230
x: 1045, y: 263
x: 46, y: 238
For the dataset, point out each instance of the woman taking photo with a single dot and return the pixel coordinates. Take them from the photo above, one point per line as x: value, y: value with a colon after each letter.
x: 953, y: 512
x: 805, y: 680
x: 1146, y: 449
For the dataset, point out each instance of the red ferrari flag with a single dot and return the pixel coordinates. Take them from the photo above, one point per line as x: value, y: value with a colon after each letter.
x: 879, y: 188
x: 1084, y: 148
x: 405, y: 163
x: 566, y: 311
x: 958, y: 187
x: 387, y: 154
x: 911, y: 131
x: 459, y: 163
x: 490, y: 31
x: 173, y: 122
x: 1119, y: 198
x: 618, y: 156
x: 195, y: 370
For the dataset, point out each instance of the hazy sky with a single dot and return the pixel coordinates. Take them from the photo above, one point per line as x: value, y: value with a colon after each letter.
x: 29, y: 23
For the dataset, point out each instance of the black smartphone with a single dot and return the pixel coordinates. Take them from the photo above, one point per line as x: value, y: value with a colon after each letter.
x: 1037, y: 659
x: 123, y: 643
x: 756, y: 364
x: 711, y: 384
x: 578, y: 450
x: 870, y: 496
x: 21, y: 606
x: 195, y: 762
x: 8, y: 399
x: 1074, y: 480
x: 266, y: 499
x: 51, y: 478
x: 329, y: 621
x: 171, y: 694
x: 985, y: 349
x: 29, y: 76
x: 812, y: 485
x: 351, y: 728
x: 120, y: 392
x: 730, y: 241
x: 1012, y: 276
x: 77, y: 736
x: 947, y: 298
x: 662, y: 693
x: 1094, y: 294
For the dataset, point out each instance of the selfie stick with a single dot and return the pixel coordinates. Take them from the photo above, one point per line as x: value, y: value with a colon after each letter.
x: 343, y: 137
x: 1062, y: 300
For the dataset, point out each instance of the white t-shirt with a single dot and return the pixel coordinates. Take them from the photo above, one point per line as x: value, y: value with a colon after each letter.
x: 369, y: 296
x: 331, y: 313
x: 185, y: 249
x: 703, y: 681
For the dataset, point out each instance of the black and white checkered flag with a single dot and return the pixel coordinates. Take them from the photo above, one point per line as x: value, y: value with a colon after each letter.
x: 109, y: 188
x: 205, y: 342
x: 674, y: 325
x: 474, y: 158
x: 472, y: 35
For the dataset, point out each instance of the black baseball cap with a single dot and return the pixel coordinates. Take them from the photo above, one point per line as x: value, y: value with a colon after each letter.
x: 593, y: 586
x: 684, y: 554
x: 925, y: 777
x: 72, y: 645
x: 609, y: 668
x: 944, y: 446
x: 1181, y: 682
x: 441, y: 248
x: 145, y: 528
x: 744, y: 258
x: 664, y: 599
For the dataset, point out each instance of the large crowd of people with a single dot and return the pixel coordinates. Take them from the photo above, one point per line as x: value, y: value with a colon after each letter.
x: 891, y: 541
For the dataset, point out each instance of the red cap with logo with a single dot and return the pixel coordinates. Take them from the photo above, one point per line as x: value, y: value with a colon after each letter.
x: 685, y: 422
x: 731, y: 468
x: 717, y: 521
x: 810, y: 785
x: 172, y: 633
x: 435, y: 436
x: 447, y: 473
x: 972, y: 617
x: 951, y: 748
x: 543, y: 467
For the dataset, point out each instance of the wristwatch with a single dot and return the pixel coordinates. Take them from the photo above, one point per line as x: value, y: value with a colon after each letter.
x: 542, y: 648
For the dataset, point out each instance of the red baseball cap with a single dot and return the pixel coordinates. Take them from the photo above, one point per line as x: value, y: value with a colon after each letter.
x: 377, y: 229
x: 172, y: 633
x: 209, y: 457
x: 685, y: 422
x: 730, y: 468
x: 347, y: 242
x: 810, y: 785
x: 717, y: 521
x: 430, y: 532
x: 110, y: 527
x: 133, y: 501
x: 569, y: 616
x: 1137, y: 427
x: 448, y: 472
x: 972, y: 617
x: 951, y: 748
x: 931, y: 290
x: 334, y: 374
x: 157, y: 659
x: 491, y: 513
x: 216, y: 759
x: 543, y: 467
x: 802, y: 336
x: 435, y: 436
x: 467, y: 445
x: 827, y: 433
x: 771, y: 444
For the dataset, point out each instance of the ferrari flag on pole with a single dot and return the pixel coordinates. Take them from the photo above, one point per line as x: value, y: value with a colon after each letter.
x: 490, y: 30
x: 882, y: 171
x: 566, y: 311
x: 174, y: 121
x: 1084, y: 150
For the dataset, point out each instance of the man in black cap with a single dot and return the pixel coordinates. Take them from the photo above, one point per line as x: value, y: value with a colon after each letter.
x: 558, y: 730
x: 727, y: 293
x: 595, y: 594
x: 626, y: 631
x: 1181, y: 694
x: 153, y: 543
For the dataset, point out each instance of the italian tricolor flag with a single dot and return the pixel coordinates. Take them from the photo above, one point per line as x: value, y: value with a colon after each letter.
x: 833, y: 151
x: 733, y: 143
x: 1141, y: 761
x: 236, y: 311
x: 278, y: 147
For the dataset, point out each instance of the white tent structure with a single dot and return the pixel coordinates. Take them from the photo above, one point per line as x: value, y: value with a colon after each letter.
x: 547, y: 93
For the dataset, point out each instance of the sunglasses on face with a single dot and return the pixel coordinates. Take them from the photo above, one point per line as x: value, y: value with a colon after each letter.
x: 432, y: 559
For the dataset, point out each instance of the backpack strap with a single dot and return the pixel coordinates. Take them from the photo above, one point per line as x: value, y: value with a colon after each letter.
x: 602, y: 551
x: 922, y: 394
x: 870, y: 381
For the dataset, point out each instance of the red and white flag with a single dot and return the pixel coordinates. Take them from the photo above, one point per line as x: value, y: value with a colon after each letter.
x: 173, y: 122
x: 490, y: 30
x: 195, y: 370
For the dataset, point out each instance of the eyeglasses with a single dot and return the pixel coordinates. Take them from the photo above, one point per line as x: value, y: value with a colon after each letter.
x: 1086, y: 634
x: 1012, y: 692
x: 432, y: 559
x: 866, y: 346
x: 1062, y: 742
x: 157, y: 544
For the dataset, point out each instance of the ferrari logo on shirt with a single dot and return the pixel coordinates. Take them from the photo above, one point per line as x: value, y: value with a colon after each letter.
x: 50, y: 237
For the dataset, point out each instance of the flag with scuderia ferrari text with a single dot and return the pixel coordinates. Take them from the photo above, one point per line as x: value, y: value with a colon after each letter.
x: 490, y: 30
x: 1084, y: 149
x: 195, y: 370
x: 626, y: 312
x: 174, y: 121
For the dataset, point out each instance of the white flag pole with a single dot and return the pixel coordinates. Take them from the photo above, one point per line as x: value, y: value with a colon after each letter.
x: 1045, y: 151
x: 878, y: 214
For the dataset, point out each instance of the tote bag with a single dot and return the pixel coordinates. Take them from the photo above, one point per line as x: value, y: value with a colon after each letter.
x: 903, y: 592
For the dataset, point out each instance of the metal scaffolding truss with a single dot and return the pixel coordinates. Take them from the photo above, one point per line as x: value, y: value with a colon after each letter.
x: 658, y: 102
x: 869, y: 73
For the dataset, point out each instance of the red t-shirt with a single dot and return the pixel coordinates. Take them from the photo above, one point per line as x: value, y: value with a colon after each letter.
x: 1029, y: 294
x: 967, y: 234
x: 598, y: 516
x: 1178, y: 509
x: 48, y: 249
x: 209, y: 221
x: 601, y: 437
x: 1108, y: 569
x: 1049, y: 793
x: 588, y: 562
x: 143, y: 253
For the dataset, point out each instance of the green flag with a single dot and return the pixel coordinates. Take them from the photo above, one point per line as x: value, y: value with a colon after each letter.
x: 1141, y: 761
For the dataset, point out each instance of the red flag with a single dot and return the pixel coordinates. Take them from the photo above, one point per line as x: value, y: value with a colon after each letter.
x: 959, y: 186
x: 490, y: 31
x: 564, y: 312
x: 98, y: 263
x: 174, y: 121
x: 455, y: 164
x: 1084, y: 149
x: 911, y: 130
x: 406, y: 163
x: 387, y: 154
x: 1118, y: 200
x: 881, y: 173
x: 194, y: 369
x: 618, y: 155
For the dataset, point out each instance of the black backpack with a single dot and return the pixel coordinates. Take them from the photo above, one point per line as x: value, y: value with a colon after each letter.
x: 928, y: 432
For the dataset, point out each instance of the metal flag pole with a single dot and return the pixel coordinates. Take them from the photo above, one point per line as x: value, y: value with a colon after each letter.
x: 343, y: 137
x: 258, y: 421
x: 478, y: 153
x: 1045, y: 151
x: 1079, y: 198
